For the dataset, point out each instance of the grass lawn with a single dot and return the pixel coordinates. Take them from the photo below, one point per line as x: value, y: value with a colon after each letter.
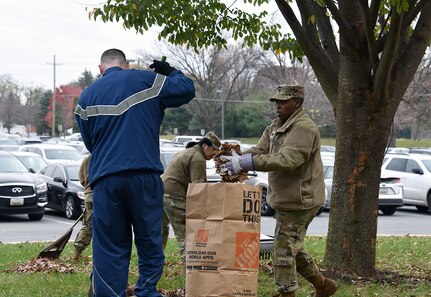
x: 403, y: 264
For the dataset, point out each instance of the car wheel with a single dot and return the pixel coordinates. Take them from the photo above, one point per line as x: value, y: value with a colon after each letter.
x: 70, y: 208
x: 388, y: 210
x: 266, y: 209
x: 35, y: 216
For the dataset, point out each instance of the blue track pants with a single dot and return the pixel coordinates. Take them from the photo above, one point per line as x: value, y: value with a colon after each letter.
x: 126, y: 203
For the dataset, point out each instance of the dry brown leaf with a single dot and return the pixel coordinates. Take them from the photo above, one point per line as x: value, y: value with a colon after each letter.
x: 226, y: 149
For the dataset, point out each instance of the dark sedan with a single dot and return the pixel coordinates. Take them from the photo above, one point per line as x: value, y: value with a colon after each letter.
x: 65, y: 193
x: 21, y: 192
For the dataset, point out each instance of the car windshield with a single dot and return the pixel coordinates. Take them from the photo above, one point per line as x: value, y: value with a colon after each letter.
x: 427, y: 164
x: 11, y: 164
x: 73, y: 172
x: 34, y: 162
x: 63, y: 154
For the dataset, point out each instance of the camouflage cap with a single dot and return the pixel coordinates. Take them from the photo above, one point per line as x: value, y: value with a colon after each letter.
x: 286, y: 92
x: 214, y: 139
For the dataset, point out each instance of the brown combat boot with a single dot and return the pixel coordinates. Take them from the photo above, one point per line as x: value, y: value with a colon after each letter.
x: 288, y: 294
x: 324, y: 287
x: 76, y: 254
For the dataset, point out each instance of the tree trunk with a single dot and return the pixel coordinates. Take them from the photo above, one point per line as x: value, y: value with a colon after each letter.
x: 362, y: 135
x: 361, y: 140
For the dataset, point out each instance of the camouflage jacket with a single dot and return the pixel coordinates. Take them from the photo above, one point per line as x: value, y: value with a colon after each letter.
x: 187, y: 166
x: 290, y: 153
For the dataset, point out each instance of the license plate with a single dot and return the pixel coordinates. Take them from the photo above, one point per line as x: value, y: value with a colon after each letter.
x: 17, y: 201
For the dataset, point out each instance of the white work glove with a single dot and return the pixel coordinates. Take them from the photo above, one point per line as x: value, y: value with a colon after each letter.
x: 237, y: 163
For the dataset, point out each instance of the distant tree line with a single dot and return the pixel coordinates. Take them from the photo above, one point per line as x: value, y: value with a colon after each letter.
x: 237, y: 80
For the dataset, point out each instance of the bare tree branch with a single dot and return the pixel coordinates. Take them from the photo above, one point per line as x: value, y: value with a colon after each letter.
x: 369, y: 33
x: 306, y: 17
x: 413, y: 12
x: 323, y: 67
x: 326, y: 33
x: 383, y: 74
x: 341, y: 22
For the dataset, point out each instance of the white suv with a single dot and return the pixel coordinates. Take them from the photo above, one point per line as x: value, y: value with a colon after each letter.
x: 414, y: 170
x: 185, y: 139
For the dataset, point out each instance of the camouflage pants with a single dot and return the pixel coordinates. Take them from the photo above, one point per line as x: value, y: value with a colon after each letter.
x: 175, y: 211
x: 83, y: 238
x: 290, y: 256
x: 165, y: 230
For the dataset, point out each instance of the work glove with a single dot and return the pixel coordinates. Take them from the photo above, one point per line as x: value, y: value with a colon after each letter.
x: 237, y: 163
x: 162, y: 67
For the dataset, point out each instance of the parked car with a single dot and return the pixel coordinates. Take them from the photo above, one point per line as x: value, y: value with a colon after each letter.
x: 74, y: 137
x: 390, y: 193
x: 425, y: 151
x: 9, y: 147
x: 414, y: 170
x: 21, y: 192
x: 78, y: 145
x: 167, y: 152
x: 397, y: 150
x: 65, y: 193
x: 32, y: 161
x: 184, y: 139
x: 260, y: 179
x: 31, y: 140
x: 53, y: 153
x: 7, y: 141
x: 327, y: 148
x: 327, y: 153
x: 15, y: 137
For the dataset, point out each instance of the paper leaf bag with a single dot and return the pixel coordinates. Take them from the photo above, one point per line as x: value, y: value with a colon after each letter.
x: 222, y: 239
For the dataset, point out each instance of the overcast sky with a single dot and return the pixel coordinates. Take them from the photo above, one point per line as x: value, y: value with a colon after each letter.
x: 33, y: 31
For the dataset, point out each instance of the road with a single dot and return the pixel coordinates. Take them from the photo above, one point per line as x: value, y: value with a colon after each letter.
x: 407, y: 220
x: 19, y: 229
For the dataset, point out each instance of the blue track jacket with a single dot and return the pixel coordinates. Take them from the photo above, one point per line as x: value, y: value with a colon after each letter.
x: 120, y: 114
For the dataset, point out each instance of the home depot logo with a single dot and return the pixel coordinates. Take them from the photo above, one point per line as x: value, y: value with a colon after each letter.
x: 247, y: 250
x: 202, y: 237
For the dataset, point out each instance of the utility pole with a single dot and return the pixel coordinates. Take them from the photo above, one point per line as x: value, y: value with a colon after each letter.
x: 53, y: 101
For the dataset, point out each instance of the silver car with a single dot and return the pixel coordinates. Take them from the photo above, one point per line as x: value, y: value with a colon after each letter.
x: 390, y: 194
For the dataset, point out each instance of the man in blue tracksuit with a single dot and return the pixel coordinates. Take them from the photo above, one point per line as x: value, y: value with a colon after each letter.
x: 119, y: 116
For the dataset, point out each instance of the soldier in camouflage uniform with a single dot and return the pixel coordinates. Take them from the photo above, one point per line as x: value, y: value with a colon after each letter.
x: 289, y: 150
x: 83, y: 238
x: 187, y: 166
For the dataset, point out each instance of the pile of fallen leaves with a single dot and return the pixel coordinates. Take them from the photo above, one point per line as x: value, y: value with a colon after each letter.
x: 175, y: 293
x: 44, y: 265
x: 226, y: 150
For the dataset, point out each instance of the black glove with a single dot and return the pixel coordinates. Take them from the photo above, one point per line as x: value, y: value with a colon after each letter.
x: 162, y: 67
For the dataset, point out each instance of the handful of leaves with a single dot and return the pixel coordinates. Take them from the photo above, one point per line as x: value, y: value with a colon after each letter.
x: 226, y: 150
